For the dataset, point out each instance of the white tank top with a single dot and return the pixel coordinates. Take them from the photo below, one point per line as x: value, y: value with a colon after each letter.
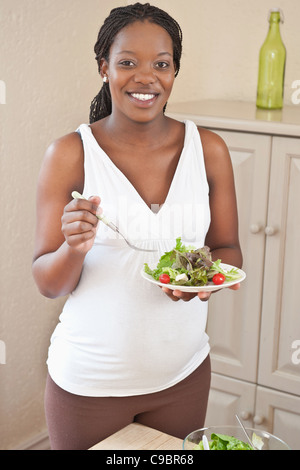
x: 118, y: 334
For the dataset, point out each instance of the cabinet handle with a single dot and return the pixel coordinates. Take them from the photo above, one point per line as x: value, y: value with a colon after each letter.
x: 269, y: 230
x: 245, y: 415
x: 258, y: 419
x: 255, y: 228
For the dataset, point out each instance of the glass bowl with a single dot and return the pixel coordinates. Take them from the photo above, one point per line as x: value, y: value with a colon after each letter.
x: 270, y: 442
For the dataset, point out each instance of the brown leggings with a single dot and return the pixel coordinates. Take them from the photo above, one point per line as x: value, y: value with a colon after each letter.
x: 78, y: 422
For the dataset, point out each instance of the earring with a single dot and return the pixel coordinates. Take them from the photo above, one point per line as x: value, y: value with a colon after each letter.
x: 105, y: 79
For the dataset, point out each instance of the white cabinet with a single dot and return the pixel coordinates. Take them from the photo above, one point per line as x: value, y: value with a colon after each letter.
x: 278, y: 413
x: 255, y: 332
x: 234, y: 317
x: 229, y: 397
x: 281, y: 299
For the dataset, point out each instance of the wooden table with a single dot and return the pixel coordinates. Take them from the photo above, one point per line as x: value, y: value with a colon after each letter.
x: 138, y: 437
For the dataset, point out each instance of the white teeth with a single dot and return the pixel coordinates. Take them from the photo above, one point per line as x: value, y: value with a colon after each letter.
x: 142, y: 97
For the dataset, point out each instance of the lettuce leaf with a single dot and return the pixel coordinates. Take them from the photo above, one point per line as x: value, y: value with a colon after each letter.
x: 197, y: 264
x: 224, y: 442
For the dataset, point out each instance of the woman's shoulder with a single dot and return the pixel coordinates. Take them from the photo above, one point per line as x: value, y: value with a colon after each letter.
x: 64, y: 159
x: 215, y: 151
x: 65, y: 147
x: 65, y: 153
x: 211, y: 141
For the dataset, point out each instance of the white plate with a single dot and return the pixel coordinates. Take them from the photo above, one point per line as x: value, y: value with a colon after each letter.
x: 208, y: 288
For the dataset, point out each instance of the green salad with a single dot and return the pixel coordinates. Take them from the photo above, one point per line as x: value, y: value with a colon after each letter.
x: 224, y: 442
x: 187, y: 266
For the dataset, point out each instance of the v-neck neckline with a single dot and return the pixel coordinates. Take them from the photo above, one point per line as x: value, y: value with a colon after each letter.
x: 128, y: 182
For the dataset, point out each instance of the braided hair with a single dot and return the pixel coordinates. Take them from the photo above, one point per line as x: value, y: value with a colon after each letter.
x: 117, y: 20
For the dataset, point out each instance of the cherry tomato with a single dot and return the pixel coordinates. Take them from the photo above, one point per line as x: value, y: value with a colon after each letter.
x: 218, y: 279
x: 164, y: 278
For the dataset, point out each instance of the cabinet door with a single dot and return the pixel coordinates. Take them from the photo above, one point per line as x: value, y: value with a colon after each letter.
x: 234, y: 317
x: 279, y: 365
x: 227, y: 398
x: 279, y: 414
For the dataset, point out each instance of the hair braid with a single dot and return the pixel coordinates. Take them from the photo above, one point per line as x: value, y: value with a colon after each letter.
x: 117, y: 20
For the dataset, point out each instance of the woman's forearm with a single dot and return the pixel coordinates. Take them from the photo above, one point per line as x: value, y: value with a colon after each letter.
x: 57, y: 274
x: 229, y: 255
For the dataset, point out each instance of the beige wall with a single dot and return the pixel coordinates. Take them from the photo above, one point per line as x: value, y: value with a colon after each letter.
x: 222, y: 42
x: 48, y: 67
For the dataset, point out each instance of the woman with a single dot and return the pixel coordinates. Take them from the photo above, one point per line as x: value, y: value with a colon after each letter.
x: 123, y: 351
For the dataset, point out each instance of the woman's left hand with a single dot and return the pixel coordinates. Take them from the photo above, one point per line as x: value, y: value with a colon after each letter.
x: 176, y: 294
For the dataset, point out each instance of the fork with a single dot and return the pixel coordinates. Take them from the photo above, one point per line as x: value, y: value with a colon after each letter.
x: 77, y: 195
x: 246, y: 434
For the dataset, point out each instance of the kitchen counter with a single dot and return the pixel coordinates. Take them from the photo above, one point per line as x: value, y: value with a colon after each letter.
x: 138, y: 437
x: 238, y: 115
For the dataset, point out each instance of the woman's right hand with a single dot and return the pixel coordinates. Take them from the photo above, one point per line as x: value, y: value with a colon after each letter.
x: 79, y: 223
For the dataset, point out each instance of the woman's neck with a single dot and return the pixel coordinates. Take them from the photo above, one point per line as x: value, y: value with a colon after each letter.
x: 129, y: 132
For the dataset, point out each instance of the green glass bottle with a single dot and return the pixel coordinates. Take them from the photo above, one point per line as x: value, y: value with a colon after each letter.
x: 272, y: 59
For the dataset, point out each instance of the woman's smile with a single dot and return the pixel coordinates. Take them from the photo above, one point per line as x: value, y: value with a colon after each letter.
x: 142, y: 96
x: 143, y: 99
